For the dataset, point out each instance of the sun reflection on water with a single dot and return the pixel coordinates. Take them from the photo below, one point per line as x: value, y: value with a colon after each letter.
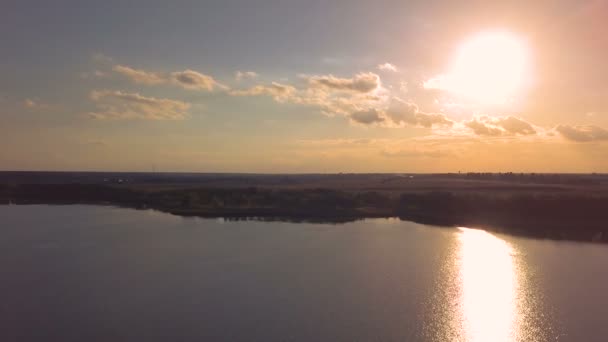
x: 489, y: 287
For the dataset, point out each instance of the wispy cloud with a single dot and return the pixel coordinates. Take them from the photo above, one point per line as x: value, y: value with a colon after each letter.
x: 91, y: 75
x: 402, y: 112
x: 243, y: 75
x: 499, y: 126
x: 187, y: 79
x: 101, y: 58
x: 194, y: 80
x: 330, y: 94
x: 582, y: 133
x: 118, y: 105
x: 361, y: 98
x: 362, y: 82
x: 139, y: 76
x: 34, y: 104
x: 279, y: 92
x: 29, y: 103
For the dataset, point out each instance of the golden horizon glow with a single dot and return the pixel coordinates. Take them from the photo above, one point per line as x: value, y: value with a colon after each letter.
x: 490, y: 68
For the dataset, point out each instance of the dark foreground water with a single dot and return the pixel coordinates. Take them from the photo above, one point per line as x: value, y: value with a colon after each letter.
x: 84, y: 273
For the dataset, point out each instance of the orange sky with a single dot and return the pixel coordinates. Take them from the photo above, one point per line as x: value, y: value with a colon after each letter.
x: 276, y: 86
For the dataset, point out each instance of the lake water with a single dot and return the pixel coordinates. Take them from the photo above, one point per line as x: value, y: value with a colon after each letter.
x: 87, y: 273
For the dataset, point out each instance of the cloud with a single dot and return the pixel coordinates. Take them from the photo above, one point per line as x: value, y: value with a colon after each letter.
x: 387, y: 67
x: 279, y: 92
x: 194, y: 80
x: 101, y: 58
x: 402, y: 112
x: 482, y: 128
x: 500, y: 126
x: 187, y: 79
x: 241, y: 75
x: 347, y: 105
x: 582, y: 133
x: 367, y: 117
x: 362, y: 82
x: 113, y: 104
x: 370, y: 109
x: 438, y: 83
x: 331, y: 95
x: 139, y: 76
x: 332, y: 60
x: 92, y: 75
x: 29, y: 103
x: 34, y: 104
x: 352, y: 98
x: 515, y: 125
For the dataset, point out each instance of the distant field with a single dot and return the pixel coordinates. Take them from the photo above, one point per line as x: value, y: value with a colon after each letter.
x: 557, y: 206
x: 488, y: 182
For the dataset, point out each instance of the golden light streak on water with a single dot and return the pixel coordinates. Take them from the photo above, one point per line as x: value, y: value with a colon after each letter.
x: 489, y: 288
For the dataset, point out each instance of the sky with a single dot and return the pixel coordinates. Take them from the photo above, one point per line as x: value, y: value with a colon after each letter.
x: 280, y: 86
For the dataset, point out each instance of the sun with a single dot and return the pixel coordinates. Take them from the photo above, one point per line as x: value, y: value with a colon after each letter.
x: 492, y: 67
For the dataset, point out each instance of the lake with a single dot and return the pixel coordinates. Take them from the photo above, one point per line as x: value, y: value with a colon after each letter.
x: 93, y: 273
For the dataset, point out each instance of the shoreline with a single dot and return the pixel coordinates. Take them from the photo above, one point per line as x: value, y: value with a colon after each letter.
x: 558, y: 207
x: 534, y: 228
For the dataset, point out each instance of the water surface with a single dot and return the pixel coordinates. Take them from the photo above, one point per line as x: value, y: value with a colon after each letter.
x: 86, y: 273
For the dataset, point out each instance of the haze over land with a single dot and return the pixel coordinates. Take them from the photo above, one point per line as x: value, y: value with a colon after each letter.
x: 295, y: 87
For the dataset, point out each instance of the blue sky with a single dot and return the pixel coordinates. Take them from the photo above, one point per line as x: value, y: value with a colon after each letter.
x: 324, y: 86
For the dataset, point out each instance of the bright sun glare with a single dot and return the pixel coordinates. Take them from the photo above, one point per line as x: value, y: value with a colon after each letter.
x: 490, y: 68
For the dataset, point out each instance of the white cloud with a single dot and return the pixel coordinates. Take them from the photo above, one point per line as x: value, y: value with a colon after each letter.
x: 360, y: 98
x: 118, y: 105
x: 279, y: 92
x: 438, y: 82
x: 242, y: 75
x: 139, y: 76
x: 387, y: 67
